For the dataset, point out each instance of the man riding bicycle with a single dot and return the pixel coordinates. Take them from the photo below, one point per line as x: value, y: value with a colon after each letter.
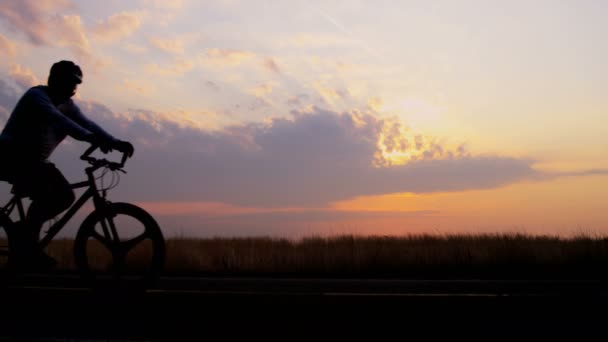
x: 40, y: 121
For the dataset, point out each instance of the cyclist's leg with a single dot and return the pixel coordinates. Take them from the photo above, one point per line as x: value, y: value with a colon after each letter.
x: 50, y: 193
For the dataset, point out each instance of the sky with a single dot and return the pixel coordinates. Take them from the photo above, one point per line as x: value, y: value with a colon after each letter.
x: 298, y: 118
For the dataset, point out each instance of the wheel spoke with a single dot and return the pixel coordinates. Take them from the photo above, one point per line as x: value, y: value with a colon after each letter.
x: 130, y: 244
x: 126, y: 260
x: 101, y: 239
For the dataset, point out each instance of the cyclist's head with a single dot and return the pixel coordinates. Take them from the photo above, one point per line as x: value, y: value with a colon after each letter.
x: 64, y: 78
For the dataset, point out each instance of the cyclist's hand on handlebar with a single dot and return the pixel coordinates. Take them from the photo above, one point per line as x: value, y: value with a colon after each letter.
x: 104, y: 145
x: 124, y: 147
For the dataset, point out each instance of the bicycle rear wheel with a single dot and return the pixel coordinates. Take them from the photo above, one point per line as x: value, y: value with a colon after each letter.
x: 121, y: 245
x: 6, y: 234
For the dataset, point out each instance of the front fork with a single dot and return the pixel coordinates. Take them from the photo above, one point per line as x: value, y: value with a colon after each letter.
x: 110, y: 232
x: 107, y: 221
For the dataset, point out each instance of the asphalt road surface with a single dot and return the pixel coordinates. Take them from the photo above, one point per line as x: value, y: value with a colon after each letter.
x: 59, y: 308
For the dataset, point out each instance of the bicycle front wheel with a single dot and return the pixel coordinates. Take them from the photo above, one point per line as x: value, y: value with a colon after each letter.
x: 120, y: 245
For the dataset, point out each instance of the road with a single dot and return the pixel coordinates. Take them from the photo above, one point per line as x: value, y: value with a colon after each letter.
x: 40, y: 307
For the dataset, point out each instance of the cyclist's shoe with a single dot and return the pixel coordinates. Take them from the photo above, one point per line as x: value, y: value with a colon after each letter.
x: 37, y: 261
x: 26, y: 255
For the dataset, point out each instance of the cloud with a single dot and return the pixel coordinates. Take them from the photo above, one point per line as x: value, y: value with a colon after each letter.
x: 69, y: 32
x: 292, y: 223
x: 164, y: 11
x: 298, y: 100
x: 4, y: 114
x: 134, y: 48
x: 212, y: 85
x: 225, y: 57
x: 24, y: 77
x: 8, y: 95
x: 331, y: 95
x: 43, y: 25
x: 179, y: 67
x: 176, y: 45
x: 318, y: 41
x: 171, y: 46
x: 117, y: 26
x: 31, y: 17
x: 262, y: 90
x: 138, y: 87
x: 270, y: 64
x: 8, y: 99
x: 165, y: 4
x: 375, y: 104
x: 312, y: 159
x: 592, y: 172
x: 7, y: 46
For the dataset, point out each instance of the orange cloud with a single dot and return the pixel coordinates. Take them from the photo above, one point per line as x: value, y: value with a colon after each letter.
x: 70, y: 33
x: 138, y: 87
x: 36, y: 20
x: 262, y: 90
x: 134, y: 48
x: 199, y: 208
x: 331, y: 95
x: 31, y: 17
x: 168, y: 45
x: 375, y: 104
x: 225, y: 57
x: 117, y: 26
x: 176, y: 44
x: 165, y: 4
x: 6, y: 46
x: 179, y: 67
x: 165, y: 10
x: 24, y: 77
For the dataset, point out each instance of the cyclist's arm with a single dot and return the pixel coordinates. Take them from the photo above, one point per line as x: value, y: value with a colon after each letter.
x: 42, y: 102
x: 76, y: 114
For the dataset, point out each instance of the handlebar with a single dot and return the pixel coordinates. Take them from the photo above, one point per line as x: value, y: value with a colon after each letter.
x: 103, y: 162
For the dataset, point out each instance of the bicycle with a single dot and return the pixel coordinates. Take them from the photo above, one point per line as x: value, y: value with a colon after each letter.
x: 106, y: 237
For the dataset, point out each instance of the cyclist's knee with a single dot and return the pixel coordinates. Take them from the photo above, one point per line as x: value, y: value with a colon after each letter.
x: 64, y: 199
x: 57, y: 201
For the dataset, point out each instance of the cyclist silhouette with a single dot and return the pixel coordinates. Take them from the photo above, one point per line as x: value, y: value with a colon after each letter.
x: 40, y: 121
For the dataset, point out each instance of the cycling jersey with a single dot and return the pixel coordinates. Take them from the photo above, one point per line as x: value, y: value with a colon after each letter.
x: 37, y: 125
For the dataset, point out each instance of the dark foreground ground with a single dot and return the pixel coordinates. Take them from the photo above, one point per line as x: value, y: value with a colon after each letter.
x: 53, y: 308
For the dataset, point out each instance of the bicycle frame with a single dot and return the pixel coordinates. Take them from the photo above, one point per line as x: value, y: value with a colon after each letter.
x: 99, y: 202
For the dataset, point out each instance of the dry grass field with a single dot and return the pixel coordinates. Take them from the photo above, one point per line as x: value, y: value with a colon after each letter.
x: 446, y: 256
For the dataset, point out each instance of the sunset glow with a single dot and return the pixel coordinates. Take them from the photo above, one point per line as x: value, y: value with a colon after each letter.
x: 311, y: 117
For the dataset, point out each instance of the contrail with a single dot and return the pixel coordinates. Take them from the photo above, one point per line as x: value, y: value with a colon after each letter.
x: 334, y: 21
x: 344, y: 30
